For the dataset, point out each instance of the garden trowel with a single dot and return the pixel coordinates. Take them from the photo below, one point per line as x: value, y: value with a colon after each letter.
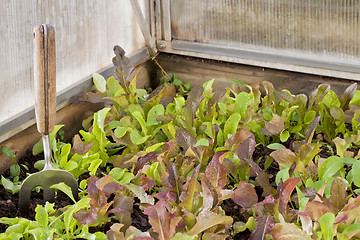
x: 45, y: 109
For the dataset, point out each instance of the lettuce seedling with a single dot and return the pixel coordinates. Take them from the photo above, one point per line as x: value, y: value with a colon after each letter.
x: 50, y: 224
x: 99, y: 191
x: 12, y: 185
x: 288, y: 231
x: 162, y: 221
x: 336, y: 215
x: 303, y: 159
x: 262, y: 228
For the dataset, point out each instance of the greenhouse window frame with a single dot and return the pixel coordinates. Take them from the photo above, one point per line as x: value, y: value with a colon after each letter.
x: 250, y: 56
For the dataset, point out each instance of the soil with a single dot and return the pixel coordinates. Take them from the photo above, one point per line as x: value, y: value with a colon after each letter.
x: 233, y: 210
x: 8, y: 201
x: 139, y: 219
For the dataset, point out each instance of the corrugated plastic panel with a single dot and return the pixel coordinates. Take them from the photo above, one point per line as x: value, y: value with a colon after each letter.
x: 86, y: 32
x: 329, y: 29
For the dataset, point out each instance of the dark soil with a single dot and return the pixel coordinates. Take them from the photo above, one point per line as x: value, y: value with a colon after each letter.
x: 139, y: 219
x: 233, y: 210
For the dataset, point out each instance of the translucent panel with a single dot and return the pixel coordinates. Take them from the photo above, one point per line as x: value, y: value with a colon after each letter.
x: 86, y: 32
x: 328, y: 29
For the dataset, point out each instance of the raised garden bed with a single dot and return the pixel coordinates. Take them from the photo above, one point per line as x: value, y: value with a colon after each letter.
x: 188, y: 162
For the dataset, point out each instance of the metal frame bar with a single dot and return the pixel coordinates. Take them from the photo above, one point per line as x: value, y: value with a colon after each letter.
x: 166, y: 20
x: 151, y: 7
x: 145, y: 29
x: 262, y: 58
x: 158, y: 24
x: 26, y: 118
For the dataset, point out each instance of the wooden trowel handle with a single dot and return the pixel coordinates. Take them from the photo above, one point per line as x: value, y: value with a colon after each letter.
x: 45, y: 78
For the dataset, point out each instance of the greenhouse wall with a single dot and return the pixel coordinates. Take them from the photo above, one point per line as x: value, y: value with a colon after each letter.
x: 86, y: 32
x: 321, y: 34
x: 326, y: 28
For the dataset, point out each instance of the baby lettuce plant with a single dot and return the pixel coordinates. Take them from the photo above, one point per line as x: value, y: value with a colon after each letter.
x: 331, y: 109
x: 173, y: 78
x: 50, y: 224
x: 184, y: 201
x: 294, y: 113
x: 131, y: 121
x: 326, y: 218
x: 197, y: 114
x: 184, y: 206
x: 75, y: 221
x: 77, y: 159
x: 302, y: 160
x: 12, y: 185
x: 99, y: 191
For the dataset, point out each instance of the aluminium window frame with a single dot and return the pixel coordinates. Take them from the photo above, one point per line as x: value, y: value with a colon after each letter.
x: 255, y: 57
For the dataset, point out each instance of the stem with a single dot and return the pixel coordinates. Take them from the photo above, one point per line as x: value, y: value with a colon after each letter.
x: 299, y: 134
x: 352, y: 192
x: 158, y: 64
x: 56, y: 218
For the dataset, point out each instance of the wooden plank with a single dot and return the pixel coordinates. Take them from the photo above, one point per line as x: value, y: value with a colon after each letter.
x: 151, y: 13
x: 198, y: 70
x: 144, y: 26
x: 266, y: 59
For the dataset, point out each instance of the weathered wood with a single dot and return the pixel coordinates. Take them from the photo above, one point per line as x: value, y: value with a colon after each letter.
x: 197, y: 71
x: 45, y: 77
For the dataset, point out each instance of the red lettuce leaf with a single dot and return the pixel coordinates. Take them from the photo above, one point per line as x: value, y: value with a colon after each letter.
x: 162, y: 221
x: 216, y: 173
x: 210, y: 196
x: 285, y: 193
x: 263, y: 227
x: 245, y: 195
x: 316, y: 209
x: 184, y: 139
x: 288, y: 231
x: 274, y: 127
x: 207, y: 220
x: 143, y: 160
x: 79, y: 147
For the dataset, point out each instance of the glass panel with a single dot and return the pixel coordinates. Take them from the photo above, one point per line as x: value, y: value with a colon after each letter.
x: 321, y: 28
